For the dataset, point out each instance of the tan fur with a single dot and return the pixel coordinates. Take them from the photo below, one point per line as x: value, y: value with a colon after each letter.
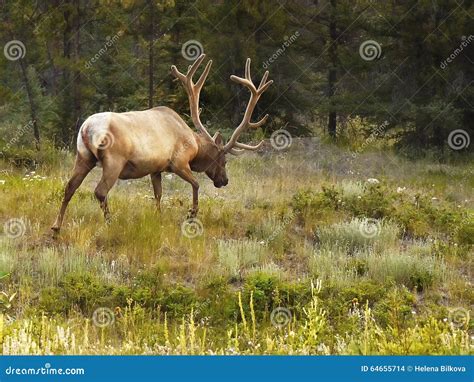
x: 138, y: 143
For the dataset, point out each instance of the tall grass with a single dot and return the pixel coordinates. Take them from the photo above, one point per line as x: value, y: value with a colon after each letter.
x: 172, y: 294
x: 333, y: 263
x: 238, y: 256
x: 135, y: 332
x: 359, y: 234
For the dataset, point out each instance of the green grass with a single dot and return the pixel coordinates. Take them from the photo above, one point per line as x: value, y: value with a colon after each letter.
x: 362, y: 268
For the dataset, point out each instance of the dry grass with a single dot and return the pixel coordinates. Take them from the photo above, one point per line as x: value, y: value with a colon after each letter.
x: 253, y: 241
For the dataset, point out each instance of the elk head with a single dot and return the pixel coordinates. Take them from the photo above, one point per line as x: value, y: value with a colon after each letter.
x: 211, y: 158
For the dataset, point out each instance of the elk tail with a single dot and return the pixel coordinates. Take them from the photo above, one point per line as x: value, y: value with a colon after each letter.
x: 84, y: 146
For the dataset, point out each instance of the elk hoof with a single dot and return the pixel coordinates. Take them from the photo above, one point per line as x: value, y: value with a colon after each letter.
x: 192, y: 213
x: 55, y: 231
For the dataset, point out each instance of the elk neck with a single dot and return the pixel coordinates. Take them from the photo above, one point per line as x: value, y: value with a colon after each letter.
x: 207, y: 153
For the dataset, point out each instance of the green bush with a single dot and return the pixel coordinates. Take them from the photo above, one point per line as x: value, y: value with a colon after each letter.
x: 77, y: 291
x: 264, y: 288
x: 376, y: 202
x: 178, y: 300
x: 465, y: 233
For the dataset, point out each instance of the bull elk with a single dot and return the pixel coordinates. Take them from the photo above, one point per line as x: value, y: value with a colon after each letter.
x: 134, y: 144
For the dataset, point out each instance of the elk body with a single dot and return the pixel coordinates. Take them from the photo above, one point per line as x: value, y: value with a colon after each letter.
x: 139, y: 143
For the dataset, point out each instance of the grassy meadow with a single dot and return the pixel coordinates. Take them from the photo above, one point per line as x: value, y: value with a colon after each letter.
x: 308, y: 250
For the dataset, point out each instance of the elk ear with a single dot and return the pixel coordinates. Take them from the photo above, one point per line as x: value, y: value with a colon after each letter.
x: 218, y: 139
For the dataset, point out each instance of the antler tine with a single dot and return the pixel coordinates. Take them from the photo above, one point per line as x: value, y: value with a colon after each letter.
x: 255, y: 125
x: 248, y: 147
x: 247, y: 70
x: 178, y: 74
x: 193, y: 90
x: 236, y: 152
x: 244, y: 82
x: 204, y: 74
x: 264, y: 79
x: 255, y: 94
x: 192, y: 68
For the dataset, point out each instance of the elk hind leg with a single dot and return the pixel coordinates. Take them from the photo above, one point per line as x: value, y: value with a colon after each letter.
x: 82, y: 167
x: 111, y: 169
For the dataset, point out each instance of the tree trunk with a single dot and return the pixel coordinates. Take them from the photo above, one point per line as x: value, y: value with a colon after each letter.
x: 77, y: 112
x: 332, y: 73
x: 66, y: 79
x: 151, y: 63
x: 32, y: 103
x: 54, y: 71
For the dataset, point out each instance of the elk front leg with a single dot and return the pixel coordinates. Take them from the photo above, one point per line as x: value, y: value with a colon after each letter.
x: 186, y: 174
x: 82, y: 167
x: 111, y: 169
x: 157, y: 189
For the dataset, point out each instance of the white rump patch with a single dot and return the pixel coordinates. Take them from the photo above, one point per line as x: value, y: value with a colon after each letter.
x: 99, y: 136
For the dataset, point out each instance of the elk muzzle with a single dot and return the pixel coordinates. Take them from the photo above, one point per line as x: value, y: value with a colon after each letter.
x: 221, y: 182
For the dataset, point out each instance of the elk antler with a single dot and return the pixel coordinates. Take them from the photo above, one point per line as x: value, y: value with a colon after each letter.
x: 194, y: 90
x: 233, y: 146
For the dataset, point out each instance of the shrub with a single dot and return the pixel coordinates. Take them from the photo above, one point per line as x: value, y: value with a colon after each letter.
x: 404, y: 269
x: 76, y: 290
x: 265, y: 290
x: 375, y: 202
x: 237, y: 256
x: 359, y: 234
x: 465, y: 233
x: 179, y: 300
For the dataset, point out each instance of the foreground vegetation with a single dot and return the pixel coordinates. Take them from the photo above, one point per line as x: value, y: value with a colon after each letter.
x: 310, y: 251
